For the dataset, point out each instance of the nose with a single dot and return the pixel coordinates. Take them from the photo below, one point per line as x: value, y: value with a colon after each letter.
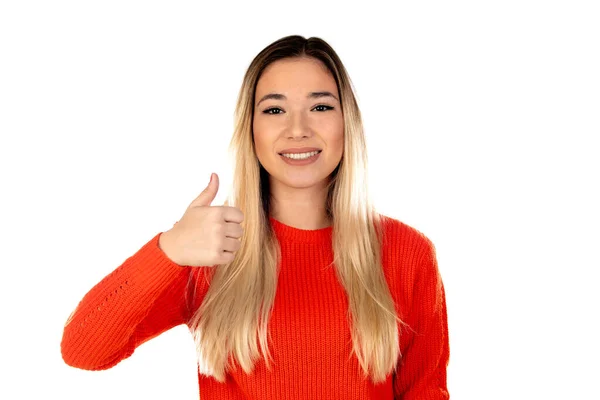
x: 298, y: 127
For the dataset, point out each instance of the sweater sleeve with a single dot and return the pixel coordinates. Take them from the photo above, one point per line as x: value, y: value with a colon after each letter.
x: 143, y: 297
x: 422, y: 370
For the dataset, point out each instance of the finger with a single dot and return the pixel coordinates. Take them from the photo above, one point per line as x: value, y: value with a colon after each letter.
x: 226, y: 257
x: 231, y: 245
x: 206, y: 197
x: 233, y: 214
x: 233, y: 230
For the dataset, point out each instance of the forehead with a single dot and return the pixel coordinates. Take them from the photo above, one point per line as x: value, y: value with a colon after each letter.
x: 295, y: 75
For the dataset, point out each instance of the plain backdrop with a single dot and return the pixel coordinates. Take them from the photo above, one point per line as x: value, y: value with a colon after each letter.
x: 481, y: 118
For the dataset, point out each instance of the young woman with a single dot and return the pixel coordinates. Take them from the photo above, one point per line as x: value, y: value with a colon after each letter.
x: 295, y: 288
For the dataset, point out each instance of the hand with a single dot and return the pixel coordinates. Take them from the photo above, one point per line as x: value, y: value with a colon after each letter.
x: 205, y: 235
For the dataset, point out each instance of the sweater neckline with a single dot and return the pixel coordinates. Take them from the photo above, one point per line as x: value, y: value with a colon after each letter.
x: 319, y: 236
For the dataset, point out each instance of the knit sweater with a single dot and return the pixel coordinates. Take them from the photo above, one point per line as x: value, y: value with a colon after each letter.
x: 309, y: 328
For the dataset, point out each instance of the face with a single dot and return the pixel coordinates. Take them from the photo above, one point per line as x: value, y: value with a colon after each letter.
x: 295, y: 115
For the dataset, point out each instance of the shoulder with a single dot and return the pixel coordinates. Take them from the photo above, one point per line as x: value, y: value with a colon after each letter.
x: 400, y: 237
x: 407, y: 255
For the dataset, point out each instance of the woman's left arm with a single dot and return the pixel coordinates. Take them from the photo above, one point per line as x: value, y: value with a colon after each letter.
x: 421, y: 372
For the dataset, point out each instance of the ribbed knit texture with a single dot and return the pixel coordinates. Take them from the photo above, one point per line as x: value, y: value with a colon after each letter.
x: 309, y: 330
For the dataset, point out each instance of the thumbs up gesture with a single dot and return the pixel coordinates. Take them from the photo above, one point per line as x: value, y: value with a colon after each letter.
x: 205, y: 235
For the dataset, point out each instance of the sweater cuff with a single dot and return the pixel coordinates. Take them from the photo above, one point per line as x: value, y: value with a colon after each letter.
x: 153, y: 267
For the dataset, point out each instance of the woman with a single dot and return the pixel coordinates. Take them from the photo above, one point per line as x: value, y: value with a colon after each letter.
x: 295, y: 288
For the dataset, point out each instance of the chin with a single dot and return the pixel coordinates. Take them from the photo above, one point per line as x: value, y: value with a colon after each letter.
x: 301, y: 182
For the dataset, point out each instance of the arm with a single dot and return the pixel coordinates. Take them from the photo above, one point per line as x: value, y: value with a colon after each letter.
x: 422, y: 370
x: 143, y: 297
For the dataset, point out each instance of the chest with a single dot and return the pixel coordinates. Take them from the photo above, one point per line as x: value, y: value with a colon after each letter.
x: 309, y: 320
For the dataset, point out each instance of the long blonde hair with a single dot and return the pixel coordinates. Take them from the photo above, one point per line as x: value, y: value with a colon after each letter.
x: 241, y: 294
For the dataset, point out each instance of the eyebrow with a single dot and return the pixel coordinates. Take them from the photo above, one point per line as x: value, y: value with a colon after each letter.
x: 311, y: 95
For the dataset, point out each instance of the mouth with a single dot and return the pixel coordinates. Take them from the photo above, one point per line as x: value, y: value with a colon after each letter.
x: 318, y: 151
x: 298, y: 159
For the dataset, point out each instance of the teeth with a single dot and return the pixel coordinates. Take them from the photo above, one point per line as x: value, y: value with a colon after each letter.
x: 300, y: 156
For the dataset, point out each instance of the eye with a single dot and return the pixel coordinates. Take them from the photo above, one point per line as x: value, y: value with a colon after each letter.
x: 270, y: 109
x: 326, y: 107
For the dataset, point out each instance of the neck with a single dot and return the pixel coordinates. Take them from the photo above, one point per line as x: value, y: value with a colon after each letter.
x: 302, y: 208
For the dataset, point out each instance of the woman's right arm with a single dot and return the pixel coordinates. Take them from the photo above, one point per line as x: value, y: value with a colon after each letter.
x: 143, y: 297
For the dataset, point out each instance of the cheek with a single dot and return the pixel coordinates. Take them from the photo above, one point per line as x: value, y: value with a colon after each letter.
x: 258, y: 134
x: 261, y: 130
x: 337, y: 140
x: 262, y: 142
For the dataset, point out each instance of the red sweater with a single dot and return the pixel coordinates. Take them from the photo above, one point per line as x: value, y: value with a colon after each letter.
x: 311, y: 338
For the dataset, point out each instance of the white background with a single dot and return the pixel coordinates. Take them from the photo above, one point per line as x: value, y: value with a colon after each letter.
x: 481, y: 120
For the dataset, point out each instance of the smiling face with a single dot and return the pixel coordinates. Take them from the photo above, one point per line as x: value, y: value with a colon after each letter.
x: 297, y: 112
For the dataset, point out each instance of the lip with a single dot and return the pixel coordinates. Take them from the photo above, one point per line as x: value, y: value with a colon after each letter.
x: 297, y: 150
x: 306, y: 161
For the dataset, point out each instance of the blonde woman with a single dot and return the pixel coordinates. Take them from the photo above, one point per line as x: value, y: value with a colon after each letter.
x: 295, y: 288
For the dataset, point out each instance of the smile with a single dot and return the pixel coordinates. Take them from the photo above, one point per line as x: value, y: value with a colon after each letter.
x: 301, y: 158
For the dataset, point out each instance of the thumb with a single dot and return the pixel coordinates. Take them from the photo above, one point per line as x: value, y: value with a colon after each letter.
x: 208, y: 194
